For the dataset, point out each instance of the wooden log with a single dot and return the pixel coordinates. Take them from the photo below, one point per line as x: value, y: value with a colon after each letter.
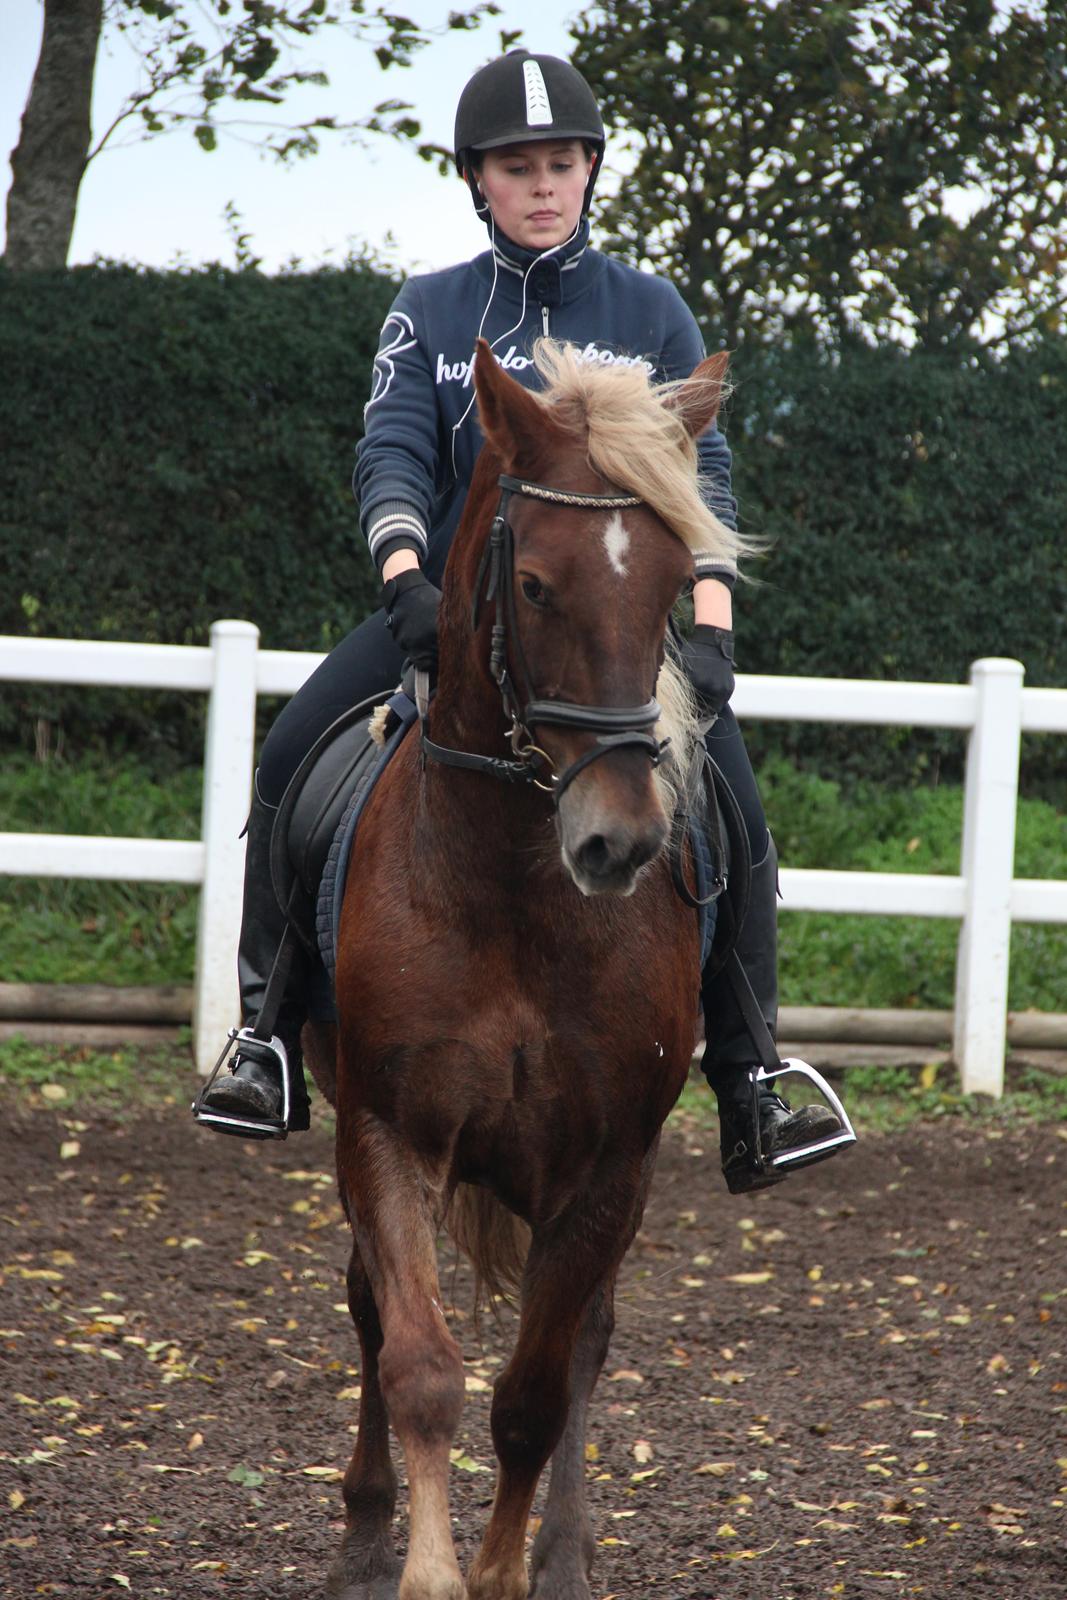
x: 860, y: 1025
x: 98, y: 1036
x: 170, y: 1005
x: 161, y: 1004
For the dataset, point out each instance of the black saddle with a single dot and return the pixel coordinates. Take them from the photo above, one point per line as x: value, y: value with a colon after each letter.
x: 339, y: 769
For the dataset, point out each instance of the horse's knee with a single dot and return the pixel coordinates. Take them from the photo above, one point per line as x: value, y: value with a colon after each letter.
x: 421, y: 1373
x: 527, y: 1419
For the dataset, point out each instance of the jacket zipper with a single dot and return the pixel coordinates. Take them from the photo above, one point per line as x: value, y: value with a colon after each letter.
x: 544, y: 320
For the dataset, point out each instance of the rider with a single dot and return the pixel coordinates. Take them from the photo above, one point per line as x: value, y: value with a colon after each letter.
x: 529, y: 143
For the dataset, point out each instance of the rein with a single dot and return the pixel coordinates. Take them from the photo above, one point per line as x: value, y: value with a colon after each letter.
x: 616, y: 727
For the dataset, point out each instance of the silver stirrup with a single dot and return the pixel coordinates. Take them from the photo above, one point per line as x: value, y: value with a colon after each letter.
x: 818, y: 1149
x: 227, y: 1122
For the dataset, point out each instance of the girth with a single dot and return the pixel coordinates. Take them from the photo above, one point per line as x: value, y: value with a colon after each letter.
x: 616, y: 727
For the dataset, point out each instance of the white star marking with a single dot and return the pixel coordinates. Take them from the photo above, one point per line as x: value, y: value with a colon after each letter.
x: 617, y: 544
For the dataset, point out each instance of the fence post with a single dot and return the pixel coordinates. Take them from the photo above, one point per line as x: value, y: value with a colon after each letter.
x: 987, y: 867
x: 228, y: 757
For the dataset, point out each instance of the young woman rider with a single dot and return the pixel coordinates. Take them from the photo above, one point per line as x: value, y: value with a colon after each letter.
x: 529, y: 143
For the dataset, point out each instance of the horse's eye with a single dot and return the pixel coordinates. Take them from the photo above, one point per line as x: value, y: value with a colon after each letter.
x: 534, y: 591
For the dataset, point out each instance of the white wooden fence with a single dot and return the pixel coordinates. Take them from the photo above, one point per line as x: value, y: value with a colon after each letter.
x: 994, y: 707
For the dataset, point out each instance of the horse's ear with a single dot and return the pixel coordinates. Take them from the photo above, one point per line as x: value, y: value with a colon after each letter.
x: 697, y: 401
x: 509, y: 414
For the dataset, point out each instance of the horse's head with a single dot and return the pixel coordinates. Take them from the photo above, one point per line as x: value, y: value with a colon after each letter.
x: 584, y: 587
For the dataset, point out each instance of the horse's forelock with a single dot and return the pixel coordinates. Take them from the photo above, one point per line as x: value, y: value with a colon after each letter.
x: 634, y: 440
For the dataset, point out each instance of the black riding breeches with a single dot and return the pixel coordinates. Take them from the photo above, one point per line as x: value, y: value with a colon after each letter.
x: 365, y: 662
x: 727, y: 749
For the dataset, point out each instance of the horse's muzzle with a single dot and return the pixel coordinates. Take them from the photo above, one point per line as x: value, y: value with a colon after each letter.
x: 606, y: 856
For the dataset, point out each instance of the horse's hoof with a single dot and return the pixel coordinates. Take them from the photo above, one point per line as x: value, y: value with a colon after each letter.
x: 383, y: 1588
x: 345, y: 1580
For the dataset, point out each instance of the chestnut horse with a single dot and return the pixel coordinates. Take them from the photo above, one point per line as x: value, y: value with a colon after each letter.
x: 517, y: 981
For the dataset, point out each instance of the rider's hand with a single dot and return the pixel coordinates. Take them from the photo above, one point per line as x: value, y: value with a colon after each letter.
x: 411, y: 603
x: 708, y: 659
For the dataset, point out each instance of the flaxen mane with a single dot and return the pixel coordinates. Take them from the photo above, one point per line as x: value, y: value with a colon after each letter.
x: 640, y: 444
x: 636, y: 441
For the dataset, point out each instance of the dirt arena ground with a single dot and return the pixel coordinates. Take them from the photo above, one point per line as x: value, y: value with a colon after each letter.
x: 853, y: 1385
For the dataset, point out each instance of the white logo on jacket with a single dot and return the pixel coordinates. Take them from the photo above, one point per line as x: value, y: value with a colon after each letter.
x: 403, y: 337
x: 514, y: 361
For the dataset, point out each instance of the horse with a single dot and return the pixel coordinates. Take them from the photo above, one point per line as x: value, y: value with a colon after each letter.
x: 517, y: 981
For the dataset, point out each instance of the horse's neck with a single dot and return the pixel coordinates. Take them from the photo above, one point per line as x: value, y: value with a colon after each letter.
x: 470, y: 824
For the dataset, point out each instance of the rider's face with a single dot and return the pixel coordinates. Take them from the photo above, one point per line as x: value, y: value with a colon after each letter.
x: 535, y: 190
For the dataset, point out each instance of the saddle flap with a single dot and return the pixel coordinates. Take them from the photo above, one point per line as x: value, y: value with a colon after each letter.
x: 311, y: 810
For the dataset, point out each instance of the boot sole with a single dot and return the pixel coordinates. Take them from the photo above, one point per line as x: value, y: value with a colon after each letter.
x: 238, y: 1101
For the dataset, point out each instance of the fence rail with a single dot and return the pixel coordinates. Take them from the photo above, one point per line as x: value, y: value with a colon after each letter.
x: 994, y: 708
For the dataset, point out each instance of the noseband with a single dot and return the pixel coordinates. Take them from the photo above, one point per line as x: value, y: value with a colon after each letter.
x: 616, y: 727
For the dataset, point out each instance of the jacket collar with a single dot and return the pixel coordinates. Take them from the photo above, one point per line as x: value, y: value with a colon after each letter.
x: 547, y: 276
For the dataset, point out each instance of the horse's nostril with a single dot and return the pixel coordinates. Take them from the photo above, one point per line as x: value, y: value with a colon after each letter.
x: 606, y: 857
x: 595, y: 854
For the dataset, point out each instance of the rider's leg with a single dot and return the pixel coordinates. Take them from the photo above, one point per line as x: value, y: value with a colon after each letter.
x: 366, y: 662
x: 730, y: 1054
x: 252, y: 1088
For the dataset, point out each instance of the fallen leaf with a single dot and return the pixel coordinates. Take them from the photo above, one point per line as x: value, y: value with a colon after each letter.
x: 626, y: 1375
x: 67, y: 1151
x: 713, y: 1469
x: 750, y: 1277
x: 642, y: 1451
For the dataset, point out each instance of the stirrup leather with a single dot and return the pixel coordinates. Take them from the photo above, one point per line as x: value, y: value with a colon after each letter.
x: 817, y: 1149
x: 247, y: 1127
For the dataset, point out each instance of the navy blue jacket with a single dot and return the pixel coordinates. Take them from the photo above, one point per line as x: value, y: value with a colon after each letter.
x: 415, y: 461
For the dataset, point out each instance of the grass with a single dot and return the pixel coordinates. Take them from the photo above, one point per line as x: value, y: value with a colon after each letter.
x: 900, y: 961
x: 55, y: 930
x: 75, y: 931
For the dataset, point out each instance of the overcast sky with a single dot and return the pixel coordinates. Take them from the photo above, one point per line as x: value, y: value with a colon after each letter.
x: 161, y: 202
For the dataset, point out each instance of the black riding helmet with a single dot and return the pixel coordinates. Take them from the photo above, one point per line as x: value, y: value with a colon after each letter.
x: 522, y: 96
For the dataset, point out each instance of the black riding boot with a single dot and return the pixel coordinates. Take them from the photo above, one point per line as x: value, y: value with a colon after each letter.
x: 730, y: 1056
x: 249, y: 1086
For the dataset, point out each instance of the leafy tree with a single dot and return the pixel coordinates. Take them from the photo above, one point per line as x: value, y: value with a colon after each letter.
x: 890, y: 169
x: 200, y: 59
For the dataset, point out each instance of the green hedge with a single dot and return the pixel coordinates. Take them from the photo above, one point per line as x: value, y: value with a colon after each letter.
x: 178, y: 447
x: 916, y: 514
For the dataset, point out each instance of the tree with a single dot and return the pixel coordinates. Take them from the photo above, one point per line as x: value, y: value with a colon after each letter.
x: 200, y: 59
x: 892, y: 169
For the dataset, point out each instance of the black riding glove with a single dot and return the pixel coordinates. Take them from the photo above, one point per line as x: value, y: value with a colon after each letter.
x: 708, y: 659
x: 411, y: 603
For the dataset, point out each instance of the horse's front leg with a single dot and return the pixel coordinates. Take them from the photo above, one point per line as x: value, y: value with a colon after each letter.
x: 391, y: 1201
x: 565, y: 1546
x: 563, y: 1551
x: 367, y: 1567
x: 570, y: 1263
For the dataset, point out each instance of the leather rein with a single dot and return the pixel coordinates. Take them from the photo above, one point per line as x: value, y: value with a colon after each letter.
x: 616, y: 727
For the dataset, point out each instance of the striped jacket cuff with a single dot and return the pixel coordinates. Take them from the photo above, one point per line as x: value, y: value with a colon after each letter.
x: 709, y: 566
x: 394, y: 522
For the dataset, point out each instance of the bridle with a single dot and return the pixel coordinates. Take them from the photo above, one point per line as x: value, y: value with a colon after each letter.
x: 616, y: 727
